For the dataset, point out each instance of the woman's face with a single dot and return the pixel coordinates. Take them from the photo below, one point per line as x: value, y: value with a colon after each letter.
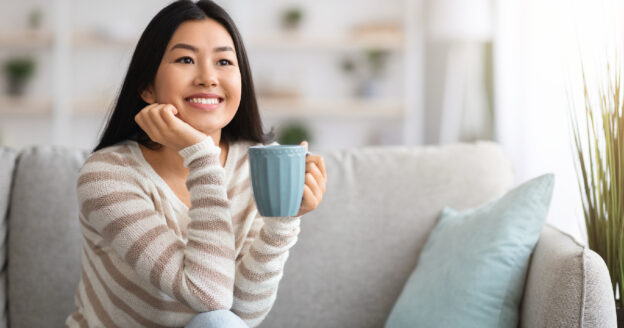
x: 199, y: 75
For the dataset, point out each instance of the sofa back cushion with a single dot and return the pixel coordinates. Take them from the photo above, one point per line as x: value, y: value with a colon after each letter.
x: 44, y: 237
x: 354, y: 254
x: 356, y: 251
x: 7, y: 163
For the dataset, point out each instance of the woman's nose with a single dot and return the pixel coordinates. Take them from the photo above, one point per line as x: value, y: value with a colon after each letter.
x: 206, y: 76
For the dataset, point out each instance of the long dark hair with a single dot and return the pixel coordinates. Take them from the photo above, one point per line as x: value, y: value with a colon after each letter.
x: 246, y: 124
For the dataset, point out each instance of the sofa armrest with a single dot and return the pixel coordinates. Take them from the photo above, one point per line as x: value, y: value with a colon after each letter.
x: 567, y: 285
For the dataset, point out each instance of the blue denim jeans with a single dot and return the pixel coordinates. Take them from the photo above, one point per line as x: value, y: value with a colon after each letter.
x: 216, y: 319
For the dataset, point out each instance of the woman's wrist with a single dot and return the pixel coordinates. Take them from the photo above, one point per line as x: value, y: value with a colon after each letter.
x: 283, y: 224
x: 206, y: 147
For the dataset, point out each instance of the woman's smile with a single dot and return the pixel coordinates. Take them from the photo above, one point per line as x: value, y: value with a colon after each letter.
x: 205, y: 101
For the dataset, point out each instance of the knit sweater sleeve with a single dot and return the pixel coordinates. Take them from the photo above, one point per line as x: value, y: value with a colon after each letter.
x: 260, y: 266
x: 116, y: 205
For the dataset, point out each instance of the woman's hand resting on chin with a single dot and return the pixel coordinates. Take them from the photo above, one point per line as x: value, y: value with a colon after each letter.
x: 162, y: 125
x: 315, y: 182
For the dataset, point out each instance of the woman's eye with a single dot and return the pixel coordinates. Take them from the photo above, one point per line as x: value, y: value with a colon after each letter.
x: 224, y: 62
x: 185, y: 60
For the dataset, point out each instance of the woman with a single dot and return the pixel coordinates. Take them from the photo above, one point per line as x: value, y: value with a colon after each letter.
x: 172, y: 235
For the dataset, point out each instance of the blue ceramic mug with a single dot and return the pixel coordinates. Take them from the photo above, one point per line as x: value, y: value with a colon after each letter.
x: 277, y: 178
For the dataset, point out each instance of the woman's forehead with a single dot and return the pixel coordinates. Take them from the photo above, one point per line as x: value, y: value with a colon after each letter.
x: 206, y: 33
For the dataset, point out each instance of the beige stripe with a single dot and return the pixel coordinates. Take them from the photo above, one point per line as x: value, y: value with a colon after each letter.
x: 210, y: 302
x: 97, y: 203
x: 279, y: 242
x: 101, y: 176
x: 210, y: 274
x: 204, y: 161
x: 171, y: 221
x: 206, y: 179
x: 114, y: 159
x: 252, y: 315
x: 207, y: 202
x: 240, y: 216
x: 253, y: 276
x: 87, y: 227
x: 255, y: 228
x: 211, y: 226
x: 163, y: 259
x: 241, y: 162
x: 224, y: 252
x: 138, y: 291
x: 82, y: 322
x: 249, y: 297
x: 238, y: 189
x: 95, y: 302
x: 262, y: 257
x: 112, y: 229
x: 135, y: 251
x: 79, y: 298
x: 119, y: 303
x: 177, y: 288
x: 124, y: 150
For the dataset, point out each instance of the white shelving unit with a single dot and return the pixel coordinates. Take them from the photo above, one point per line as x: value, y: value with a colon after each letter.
x: 64, y: 106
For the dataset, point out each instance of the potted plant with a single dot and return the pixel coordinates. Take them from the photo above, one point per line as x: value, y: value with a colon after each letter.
x: 376, y: 64
x: 367, y: 72
x: 18, y: 70
x: 293, y: 134
x: 291, y: 18
x: 599, y: 143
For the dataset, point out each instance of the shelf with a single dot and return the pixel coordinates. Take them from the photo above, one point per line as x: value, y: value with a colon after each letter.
x: 280, y: 108
x: 330, y: 108
x: 95, y: 106
x: 27, y: 106
x: 95, y: 40
x: 27, y: 39
x: 281, y: 41
x: 293, y: 41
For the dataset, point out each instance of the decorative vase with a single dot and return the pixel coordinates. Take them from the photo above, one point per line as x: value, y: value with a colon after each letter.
x: 620, y: 317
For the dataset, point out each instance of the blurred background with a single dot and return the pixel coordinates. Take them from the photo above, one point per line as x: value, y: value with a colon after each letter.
x: 339, y: 73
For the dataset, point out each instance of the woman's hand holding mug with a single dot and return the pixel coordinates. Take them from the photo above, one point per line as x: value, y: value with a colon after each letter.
x: 315, y: 182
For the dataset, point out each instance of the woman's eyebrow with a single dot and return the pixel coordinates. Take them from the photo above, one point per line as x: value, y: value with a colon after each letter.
x: 184, y: 46
x: 224, y: 48
x: 194, y: 49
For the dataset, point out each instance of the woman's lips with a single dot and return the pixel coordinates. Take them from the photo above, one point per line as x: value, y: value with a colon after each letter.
x: 209, y: 106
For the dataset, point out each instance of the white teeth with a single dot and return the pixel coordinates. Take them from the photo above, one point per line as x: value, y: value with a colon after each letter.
x: 205, y: 101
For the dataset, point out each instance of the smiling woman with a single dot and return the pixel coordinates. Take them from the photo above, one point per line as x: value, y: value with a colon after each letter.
x: 200, y: 76
x: 172, y: 236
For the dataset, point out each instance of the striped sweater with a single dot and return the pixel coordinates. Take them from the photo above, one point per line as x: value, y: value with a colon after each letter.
x: 150, y: 261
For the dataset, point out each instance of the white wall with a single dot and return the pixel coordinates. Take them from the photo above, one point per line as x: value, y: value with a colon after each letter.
x: 99, y: 70
x: 537, y: 51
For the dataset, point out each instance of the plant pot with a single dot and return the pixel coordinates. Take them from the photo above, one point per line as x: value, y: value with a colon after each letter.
x: 16, y: 87
x: 620, y: 317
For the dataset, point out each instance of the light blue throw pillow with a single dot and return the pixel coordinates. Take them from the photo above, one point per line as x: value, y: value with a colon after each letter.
x: 472, y: 269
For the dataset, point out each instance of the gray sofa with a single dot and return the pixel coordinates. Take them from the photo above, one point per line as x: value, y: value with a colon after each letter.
x: 354, y: 253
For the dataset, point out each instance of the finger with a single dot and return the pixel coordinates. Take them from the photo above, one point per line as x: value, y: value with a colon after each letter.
x: 169, y: 116
x: 150, y: 121
x: 309, y: 200
x: 314, y: 186
x: 150, y: 106
x: 316, y: 172
x: 304, y: 143
x: 321, y: 165
x: 157, y: 118
x: 319, y: 162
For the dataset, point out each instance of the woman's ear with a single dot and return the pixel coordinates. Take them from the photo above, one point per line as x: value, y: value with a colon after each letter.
x: 148, y: 95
